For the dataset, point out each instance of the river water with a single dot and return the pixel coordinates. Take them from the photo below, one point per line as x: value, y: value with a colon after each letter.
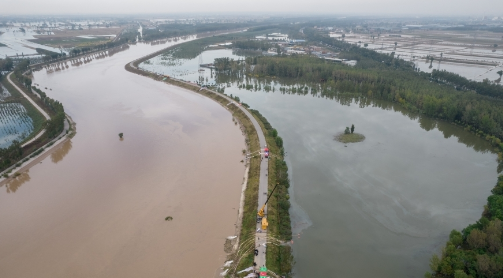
x: 96, y: 206
x: 379, y: 208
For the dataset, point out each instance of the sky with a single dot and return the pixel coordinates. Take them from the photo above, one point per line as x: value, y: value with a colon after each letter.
x: 339, y: 7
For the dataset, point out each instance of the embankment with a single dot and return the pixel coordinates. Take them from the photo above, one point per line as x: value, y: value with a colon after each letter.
x: 279, y: 257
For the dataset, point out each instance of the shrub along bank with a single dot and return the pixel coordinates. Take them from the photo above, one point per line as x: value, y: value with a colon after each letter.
x: 279, y: 256
x: 476, y: 251
x: 9, y: 156
x: 252, y: 141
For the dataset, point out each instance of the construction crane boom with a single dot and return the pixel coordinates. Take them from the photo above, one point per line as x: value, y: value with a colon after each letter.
x: 261, y: 211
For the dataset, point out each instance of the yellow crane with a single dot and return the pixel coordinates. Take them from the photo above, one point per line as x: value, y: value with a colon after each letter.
x: 261, y: 214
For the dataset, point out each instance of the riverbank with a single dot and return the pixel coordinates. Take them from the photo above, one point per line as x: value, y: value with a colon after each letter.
x: 37, y: 155
x: 48, y: 120
x: 30, y: 100
x: 279, y: 257
x: 104, y: 200
x: 249, y: 210
x: 254, y: 138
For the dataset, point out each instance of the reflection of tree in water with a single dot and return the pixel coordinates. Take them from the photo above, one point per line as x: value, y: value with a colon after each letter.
x: 427, y: 123
x: 60, y: 153
x: 287, y: 86
x: 14, y: 183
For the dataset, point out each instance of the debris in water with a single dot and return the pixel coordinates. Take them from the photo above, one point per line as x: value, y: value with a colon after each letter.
x: 231, y: 237
x: 168, y: 218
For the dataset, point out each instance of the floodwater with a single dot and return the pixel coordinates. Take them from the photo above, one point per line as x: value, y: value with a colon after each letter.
x: 473, y: 61
x: 96, y: 206
x: 15, y: 124
x: 188, y: 69
x: 382, y: 207
x: 18, y: 44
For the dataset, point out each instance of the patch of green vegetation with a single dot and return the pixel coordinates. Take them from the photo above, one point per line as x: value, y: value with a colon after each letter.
x: 279, y: 257
x: 476, y: 251
x: 176, y: 30
x: 190, y: 50
x: 349, y: 138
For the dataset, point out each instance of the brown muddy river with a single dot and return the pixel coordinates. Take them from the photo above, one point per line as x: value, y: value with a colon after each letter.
x: 96, y: 206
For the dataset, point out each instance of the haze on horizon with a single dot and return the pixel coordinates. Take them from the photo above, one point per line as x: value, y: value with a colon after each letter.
x: 354, y: 7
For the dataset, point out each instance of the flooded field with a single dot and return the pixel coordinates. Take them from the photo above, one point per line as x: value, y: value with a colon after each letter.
x: 381, y: 207
x: 96, y: 206
x: 469, y: 54
x: 188, y: 69
x: 18, y: 43
x: 15, y: 124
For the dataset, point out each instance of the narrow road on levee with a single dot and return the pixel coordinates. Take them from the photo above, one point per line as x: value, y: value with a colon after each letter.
x: 36, y: 107
x: 260, y: 235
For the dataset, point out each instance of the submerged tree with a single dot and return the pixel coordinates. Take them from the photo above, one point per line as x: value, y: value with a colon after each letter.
x: 347, y: 131
x: 121, y: 134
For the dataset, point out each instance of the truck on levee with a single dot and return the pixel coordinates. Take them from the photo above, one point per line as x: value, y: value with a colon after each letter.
x: 266, y: 153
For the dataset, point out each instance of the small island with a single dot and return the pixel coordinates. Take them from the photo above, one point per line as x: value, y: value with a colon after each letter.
x: 349, y: 136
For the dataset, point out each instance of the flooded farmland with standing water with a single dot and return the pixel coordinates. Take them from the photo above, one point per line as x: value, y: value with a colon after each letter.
x: 96, y: 206
x: 378, y: 208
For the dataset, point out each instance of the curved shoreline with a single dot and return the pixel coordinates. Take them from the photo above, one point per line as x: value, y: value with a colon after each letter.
x: 260, y: 236
x: 30, y: 160
x: 48, y: 148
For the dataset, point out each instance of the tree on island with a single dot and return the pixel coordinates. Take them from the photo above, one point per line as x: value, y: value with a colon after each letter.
x: 352, y: 128
x: 500, y: 73
x: 347, y: 131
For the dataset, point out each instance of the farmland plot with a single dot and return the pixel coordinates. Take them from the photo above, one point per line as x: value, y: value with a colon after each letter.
x: 3, y: 93
x: 15, y: 124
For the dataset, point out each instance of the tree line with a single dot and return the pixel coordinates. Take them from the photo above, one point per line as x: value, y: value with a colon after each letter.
x: 48, y: 55
x: 56, y: 124
x: 126, y: 37
x: 411, y: 89
x: 476, y: 251
x: 164, y: 31
x: 252, y: 45
x: 53, y: 127
x: 462, y: 83
x: 281, y: 259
